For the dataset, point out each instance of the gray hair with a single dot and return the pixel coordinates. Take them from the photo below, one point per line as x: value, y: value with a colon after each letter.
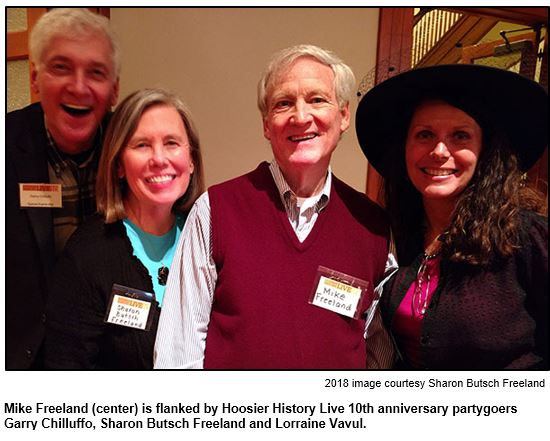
x: 71, y: 22
x: 344, y: 80
x: 110, y: 193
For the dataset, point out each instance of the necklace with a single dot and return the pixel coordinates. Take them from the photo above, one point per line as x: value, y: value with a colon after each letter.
x: 154, y: 250
x: 423, y: 277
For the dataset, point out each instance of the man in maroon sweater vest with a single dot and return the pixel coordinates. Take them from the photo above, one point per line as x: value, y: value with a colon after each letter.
x: 276, y: 269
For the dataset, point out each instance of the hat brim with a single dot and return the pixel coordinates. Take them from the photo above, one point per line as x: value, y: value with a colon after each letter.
x: 518, y: 106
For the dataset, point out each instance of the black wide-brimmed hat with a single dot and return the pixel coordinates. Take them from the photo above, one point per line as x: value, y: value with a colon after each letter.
x: 515, y: 104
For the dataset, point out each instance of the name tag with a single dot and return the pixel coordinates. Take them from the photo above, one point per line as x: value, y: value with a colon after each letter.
x: 339, y: 292
x: 40, y: 195
x: 130, y: 307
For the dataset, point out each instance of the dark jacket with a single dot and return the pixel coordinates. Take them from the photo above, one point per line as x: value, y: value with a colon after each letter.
x: 96, y: 256
x: 30, y: 249
x: 492, y: 318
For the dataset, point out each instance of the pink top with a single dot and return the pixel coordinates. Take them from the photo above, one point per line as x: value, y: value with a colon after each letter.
x: 407, y: 324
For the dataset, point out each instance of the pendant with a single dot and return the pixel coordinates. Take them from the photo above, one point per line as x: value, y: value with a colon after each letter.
x: 162, y: 275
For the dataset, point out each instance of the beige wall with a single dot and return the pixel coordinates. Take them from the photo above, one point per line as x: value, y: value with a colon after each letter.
x: 213, y: 58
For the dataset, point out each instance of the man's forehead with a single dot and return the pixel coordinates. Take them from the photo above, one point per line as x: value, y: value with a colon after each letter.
x: 88, y: 40
x: 289, y: 79
x: 93, y: 48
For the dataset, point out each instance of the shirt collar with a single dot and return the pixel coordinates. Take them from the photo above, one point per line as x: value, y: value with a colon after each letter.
x: 56, y: 159
x: 286, y: 192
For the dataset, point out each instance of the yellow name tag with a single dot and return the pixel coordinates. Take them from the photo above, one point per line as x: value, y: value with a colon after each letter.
x: 339, y: 292
x: 130, y: 307
x: 40, y: 195
x: 132, y: 313
x: 337, y: 296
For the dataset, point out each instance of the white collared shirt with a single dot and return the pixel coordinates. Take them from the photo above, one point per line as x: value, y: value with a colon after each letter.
x: 302, y: 213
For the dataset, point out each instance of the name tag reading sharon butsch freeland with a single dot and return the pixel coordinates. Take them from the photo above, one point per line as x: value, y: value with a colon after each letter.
x: 130, y: 307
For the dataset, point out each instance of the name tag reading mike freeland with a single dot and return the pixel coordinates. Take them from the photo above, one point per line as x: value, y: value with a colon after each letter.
x: 339, y: 292
x: 40, y: 195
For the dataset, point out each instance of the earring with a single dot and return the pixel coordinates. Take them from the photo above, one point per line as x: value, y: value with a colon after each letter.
x: 122, y: 183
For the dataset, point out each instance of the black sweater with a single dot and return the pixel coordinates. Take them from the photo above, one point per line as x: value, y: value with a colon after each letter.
x: 494, y: 318
x: 96, y: 256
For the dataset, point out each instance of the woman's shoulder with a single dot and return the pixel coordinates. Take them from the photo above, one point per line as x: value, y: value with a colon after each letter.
x: 93, y: 233
x: 534, y: 235
x: 533, y: 223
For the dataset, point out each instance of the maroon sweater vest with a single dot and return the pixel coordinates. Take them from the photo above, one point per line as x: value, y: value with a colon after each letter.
x: 261, y: 318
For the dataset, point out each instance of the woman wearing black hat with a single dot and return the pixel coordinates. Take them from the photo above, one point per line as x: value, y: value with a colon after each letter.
x: 453, y: 143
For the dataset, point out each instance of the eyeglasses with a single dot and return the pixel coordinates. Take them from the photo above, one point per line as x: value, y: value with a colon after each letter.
x: 421, y: 294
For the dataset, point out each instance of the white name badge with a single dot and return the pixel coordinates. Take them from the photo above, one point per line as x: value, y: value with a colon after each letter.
x: 339, y: 292
x: 40, y: 195
x: 130, y: 307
